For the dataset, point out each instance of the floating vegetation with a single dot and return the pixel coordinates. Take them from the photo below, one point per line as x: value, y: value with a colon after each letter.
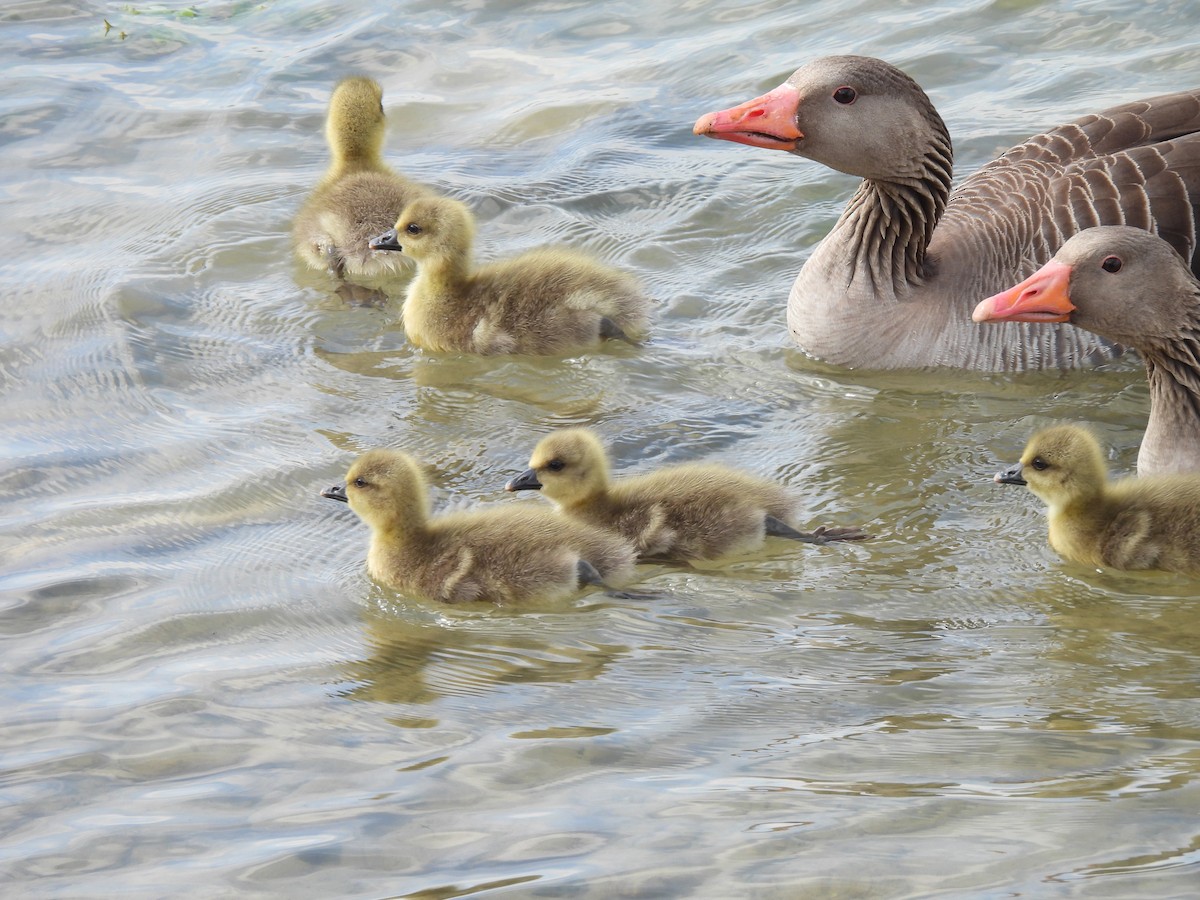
x: 186, y: 13
x: 108, y: 26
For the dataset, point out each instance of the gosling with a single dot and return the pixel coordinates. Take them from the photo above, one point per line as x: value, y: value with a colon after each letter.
x: 548, y: 301
x: 686, y: 512
x: 499, y: 555
x: 1151, y: 522
x: 359, y: 196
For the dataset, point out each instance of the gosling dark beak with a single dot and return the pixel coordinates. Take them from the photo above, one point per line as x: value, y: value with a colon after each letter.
x: 389, y: 240
x: 337, y: 492
x: 1011, y: 475
x: 526, y: 481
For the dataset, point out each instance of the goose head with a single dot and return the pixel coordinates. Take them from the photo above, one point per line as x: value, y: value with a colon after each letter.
x: 385, y: 488
x: 355, y: 126
x: 855, y: 114
x: 568, y: 467
x: 1061, y: 465
x: 430, y: 228
x: 1115, y: 280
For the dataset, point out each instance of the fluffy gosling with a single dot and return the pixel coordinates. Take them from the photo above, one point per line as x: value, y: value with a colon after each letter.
x: 498, y: 555
x: 545, y: 301
x: 359, y: 195
x: 691, y: 511
x: 1134, y: 523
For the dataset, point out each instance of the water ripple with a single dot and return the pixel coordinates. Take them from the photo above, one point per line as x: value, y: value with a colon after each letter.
x: 203, y: 676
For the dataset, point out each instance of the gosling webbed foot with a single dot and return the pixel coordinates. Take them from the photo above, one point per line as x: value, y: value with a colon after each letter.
x: 589, y: 575
x: 822, y: 535
x: 644, y: 596
x: 611, y: 331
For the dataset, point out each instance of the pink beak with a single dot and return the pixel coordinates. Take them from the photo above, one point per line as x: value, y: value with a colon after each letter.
x: 1045, y: 296
x: 768, y: 121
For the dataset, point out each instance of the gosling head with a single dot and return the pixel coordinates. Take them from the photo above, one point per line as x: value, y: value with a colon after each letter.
x: 1118, y: 281
x: 385, y: 489
x: 1061, y: 465
x: 568, y: 466
x: 355, y: 126
x: 430, y: 228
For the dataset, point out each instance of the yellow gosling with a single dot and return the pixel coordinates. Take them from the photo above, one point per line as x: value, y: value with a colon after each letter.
x: 1134, y: 523
x: 499, y: 555
x: 359, y: 196
x: 691, y: 511
x: 542, y: 302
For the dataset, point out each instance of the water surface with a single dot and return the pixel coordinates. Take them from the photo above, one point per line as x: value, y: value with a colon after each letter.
x: 206, y: 695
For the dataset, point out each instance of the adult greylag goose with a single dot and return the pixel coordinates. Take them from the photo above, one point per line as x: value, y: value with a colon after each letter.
x: 690, y: 511
x: 359, y: 196
x: 547, y: 301
x: 1129, y: 286
x: 1134, y: 523
x: 498, y: 554
x: 893, y: 283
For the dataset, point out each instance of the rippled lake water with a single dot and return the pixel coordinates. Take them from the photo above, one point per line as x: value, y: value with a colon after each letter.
x: 205, y: 695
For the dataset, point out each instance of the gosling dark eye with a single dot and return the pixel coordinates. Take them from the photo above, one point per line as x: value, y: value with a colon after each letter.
x: 1040, y: 464
x: 413, y: 228
x: 360, y: 482
x: 555, y: 465
x: 845, y: 95
x: 1111, y: 264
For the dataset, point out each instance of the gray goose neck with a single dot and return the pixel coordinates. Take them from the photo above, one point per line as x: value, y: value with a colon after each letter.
x: 1173, y: 371
x: 1172, y: 439
x: 891, y: 221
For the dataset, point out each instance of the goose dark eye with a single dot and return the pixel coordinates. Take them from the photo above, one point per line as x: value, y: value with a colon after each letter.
x: 413, y: 228
x: 1111, y: 264
x: 1040, y: 464
x: 845, y: 95
x: 360, y: 482
x: 555, y: 465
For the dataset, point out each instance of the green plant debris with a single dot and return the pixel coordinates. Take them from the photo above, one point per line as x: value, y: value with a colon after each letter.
x: 187, y: 12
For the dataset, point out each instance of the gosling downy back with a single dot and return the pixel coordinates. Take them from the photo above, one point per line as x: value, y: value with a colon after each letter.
x: 502, y: 554
x: 546, y: 301
x: 1134, y: 523
x: 359, y: 195
x: 691, y: 511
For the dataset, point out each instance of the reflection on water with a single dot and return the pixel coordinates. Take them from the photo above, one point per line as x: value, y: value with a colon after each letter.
x: 415, y: 661
x: 203, y: 685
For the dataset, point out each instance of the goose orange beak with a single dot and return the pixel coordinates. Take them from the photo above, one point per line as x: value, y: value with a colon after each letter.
x: 1045, y: 296
x: 768, y: 121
